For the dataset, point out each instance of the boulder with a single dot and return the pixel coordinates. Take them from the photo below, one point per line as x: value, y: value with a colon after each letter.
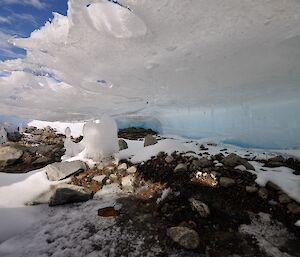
x: 9, y: 155
x: 122, y: 144
x: 181, y: 167
x: 233, y: 160
x: 61, y: 170
x: 226, y: 182
x: 149, y: 140
x: 66, y: 193
x: 185, y: 237
x: 202, y: 163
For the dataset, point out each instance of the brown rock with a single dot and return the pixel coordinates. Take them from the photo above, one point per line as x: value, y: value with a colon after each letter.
x: 107, y: 212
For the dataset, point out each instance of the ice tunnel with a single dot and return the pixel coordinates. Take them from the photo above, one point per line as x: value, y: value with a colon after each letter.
x: 196, y: 68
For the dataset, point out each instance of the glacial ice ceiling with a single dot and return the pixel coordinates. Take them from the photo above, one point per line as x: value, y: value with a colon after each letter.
x: 198, y: 67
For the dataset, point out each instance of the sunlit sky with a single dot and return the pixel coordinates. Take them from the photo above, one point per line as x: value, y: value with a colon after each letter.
x: 20, y: 17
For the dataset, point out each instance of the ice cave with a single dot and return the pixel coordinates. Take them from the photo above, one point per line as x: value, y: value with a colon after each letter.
x: 194, y: 68
x: 150, y: 128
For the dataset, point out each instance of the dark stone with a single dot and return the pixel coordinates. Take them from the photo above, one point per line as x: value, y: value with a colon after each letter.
x: 69, y: 194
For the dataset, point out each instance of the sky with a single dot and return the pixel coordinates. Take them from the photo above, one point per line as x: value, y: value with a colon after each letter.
x: 20, y: 17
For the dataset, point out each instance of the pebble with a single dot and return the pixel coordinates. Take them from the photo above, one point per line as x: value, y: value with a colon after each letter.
x: 263, y: 193
x: 99, y: 178
x: 293, y: 208
x: 169, y: 159
x: 185, y: 237
x: 251, y: 189
x: 226, y: 182
x: 122, y: 166
x: 200, y: 207
x: 284, y: 198
x: 127, y: 183
x: 131, y: 170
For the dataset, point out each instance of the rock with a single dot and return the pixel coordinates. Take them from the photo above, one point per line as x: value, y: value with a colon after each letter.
x: 233, y: 160
x: 273, y: 164
x: 293, y: 208
x: 284, y: 198
x: 131, y: 170
x: 240, y: 167
x: 185, y: 237
x: 122, y: 167
x: 271, y: 185
x: 251, y: 189
x: 219, y: 157
x: 61, y: 170
x: 206, y: 179
x: 113, y: 177
x: 127, y: 184
x: 149, y: 140
x: 263, y: 193
x: 219, y: 165
x: 202, y: 163
x: 181, y: 167
x: 99, y: 178
x: 277, y: 158
x: 169, y: 159
x: 107, y: 212
x: 200, y: 207
x: 14, y: 136
x: 122, y: 144
x: 161, y: 154
x: 41, y: 160
x: 226, y: 182
x: 273, y: 202
x: 66, y: 193
x: 9, y: 155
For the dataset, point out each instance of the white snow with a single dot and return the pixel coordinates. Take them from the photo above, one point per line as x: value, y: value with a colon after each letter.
x: 3, y: 136
x: 19, y: 193
x: 281, y: 176
x: 100, y: 140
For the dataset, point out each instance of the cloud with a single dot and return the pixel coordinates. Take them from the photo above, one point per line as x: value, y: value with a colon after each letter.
x: 5, y: 19
x: 18, y: 17
x: 35, y: 3
x: 7, y: 49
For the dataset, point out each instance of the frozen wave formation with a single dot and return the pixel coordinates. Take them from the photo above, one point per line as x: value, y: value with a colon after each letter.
x: 196, y: 68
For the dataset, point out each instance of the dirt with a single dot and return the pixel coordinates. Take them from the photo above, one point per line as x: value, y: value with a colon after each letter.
x: 229, y: 209
x: 135, y: 133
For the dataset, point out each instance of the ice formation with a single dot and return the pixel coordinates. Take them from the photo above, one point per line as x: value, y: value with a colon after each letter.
x: 3, y: 136
x: 200, y: 68
x: 100, y: 140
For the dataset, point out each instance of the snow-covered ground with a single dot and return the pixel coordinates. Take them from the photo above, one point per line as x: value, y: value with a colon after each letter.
x: 42, y: 224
